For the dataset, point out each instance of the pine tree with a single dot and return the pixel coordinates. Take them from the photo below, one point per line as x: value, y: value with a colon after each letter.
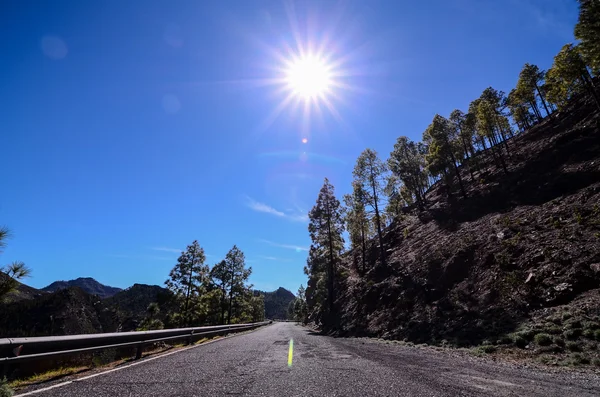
x: 568, y: 76
x: 587, y: 31
x: 188, y: 280
x: 13, y: 272
x: 395, y: 202
x: 326, y: 226
x: 464, y: 132
x: 529, y: 85
x: 442, y: 149
x: 519, y: 111
x: 222, y: 279
x: 237, y: 276
x: 486, y: 128
x: 357, y: 223
x: 300, y: 310
x: 370, y: 174
x: 407, y: 164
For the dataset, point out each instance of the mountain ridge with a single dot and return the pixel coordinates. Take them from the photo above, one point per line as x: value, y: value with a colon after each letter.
x: 88, y: 284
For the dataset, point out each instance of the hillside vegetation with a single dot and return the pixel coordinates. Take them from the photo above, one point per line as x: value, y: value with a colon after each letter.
x: 486, y: 232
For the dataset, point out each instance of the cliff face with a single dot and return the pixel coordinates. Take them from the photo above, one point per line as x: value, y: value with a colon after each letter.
x: 522, y: 249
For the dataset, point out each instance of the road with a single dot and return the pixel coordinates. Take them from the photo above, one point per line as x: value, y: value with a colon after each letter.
x: 256, y: 364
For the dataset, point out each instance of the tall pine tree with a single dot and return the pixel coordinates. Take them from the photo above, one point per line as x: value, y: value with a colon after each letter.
x: 187, y: 280
x: 326, y: 226
x: 370, y: 174
x: 237, y: 276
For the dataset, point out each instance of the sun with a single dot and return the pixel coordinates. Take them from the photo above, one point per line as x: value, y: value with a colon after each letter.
x: 308, y: 77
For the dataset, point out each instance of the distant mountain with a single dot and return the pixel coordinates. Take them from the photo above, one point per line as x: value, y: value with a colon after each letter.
x: 87, y: 284
x: 277, y: 302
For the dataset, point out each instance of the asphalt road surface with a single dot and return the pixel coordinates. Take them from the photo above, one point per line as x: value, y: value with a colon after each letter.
x: 256, y: 364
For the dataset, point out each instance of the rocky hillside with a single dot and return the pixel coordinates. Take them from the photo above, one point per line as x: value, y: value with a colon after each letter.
x: 87, y: 284
x: 64, y: 312
x: 277, y: 302
x: 519, y: 257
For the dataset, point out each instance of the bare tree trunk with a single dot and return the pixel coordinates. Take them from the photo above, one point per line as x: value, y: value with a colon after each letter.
x: 364, y: 249
x: 230, y: 296
x: 189, y: 291
x: 330, y: 269
x: 378, y: 220
x: 223, y: 302
x: 542, y: 99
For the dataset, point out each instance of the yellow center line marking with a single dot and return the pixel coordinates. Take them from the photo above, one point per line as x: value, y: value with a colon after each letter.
x: 291, y: 353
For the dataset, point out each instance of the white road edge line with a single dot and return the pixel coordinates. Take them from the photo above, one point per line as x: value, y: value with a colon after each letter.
x: 31, y: 393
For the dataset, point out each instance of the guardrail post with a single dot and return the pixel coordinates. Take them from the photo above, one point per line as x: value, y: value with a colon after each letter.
x: 138, y: 352
x: 190, y: 339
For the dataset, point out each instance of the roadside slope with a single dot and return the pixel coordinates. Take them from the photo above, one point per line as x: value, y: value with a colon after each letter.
x: 521, y: 254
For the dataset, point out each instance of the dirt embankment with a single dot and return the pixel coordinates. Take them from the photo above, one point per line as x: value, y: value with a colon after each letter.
x: 519, y: 257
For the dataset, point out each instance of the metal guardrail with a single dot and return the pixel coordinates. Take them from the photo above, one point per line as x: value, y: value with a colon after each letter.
x: 14, y: 350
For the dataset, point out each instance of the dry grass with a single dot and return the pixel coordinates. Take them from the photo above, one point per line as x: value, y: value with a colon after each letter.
x: 46, y: 376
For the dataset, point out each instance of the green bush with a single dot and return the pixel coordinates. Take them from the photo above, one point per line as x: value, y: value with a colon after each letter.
x: 5, y: 391
x: 542, y: 339
x: 574, y: 346
x: 588, y: 333
x: 559, y: 341
x: 566, y: 316
x: 592, y: 325
x: 504, y: 340
x: 527, y: 334
x: 554, y: 330
x: 597, y: 334
x: 488, y: 349
x: 555, y: 320
x: 572, y: 334
x: 577, y: 359
x: 574, y: 324
x: 520, y: 342
x: 596, y: 362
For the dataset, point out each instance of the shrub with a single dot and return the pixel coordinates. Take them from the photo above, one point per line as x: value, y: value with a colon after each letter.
x: 588, y: 333
x: 543, y: 339
x: 574, y: 324
x: 559, y: 341
x: 593, y: 325
x: 556, y: 320
x: 577, y: 359
x: 572, y: 334
x: 5, y: 391
x: 597, y: 334
x: 554, y: 330
x: 527, y: 334
x: 504, y: 340
x: 566, y: 316
x: 596, y: 362
x: 520, y: 342
x: 574, y: 346
x: 488, y: 349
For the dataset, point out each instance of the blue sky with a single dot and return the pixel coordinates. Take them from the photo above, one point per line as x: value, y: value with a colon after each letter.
x: 130, y: 128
